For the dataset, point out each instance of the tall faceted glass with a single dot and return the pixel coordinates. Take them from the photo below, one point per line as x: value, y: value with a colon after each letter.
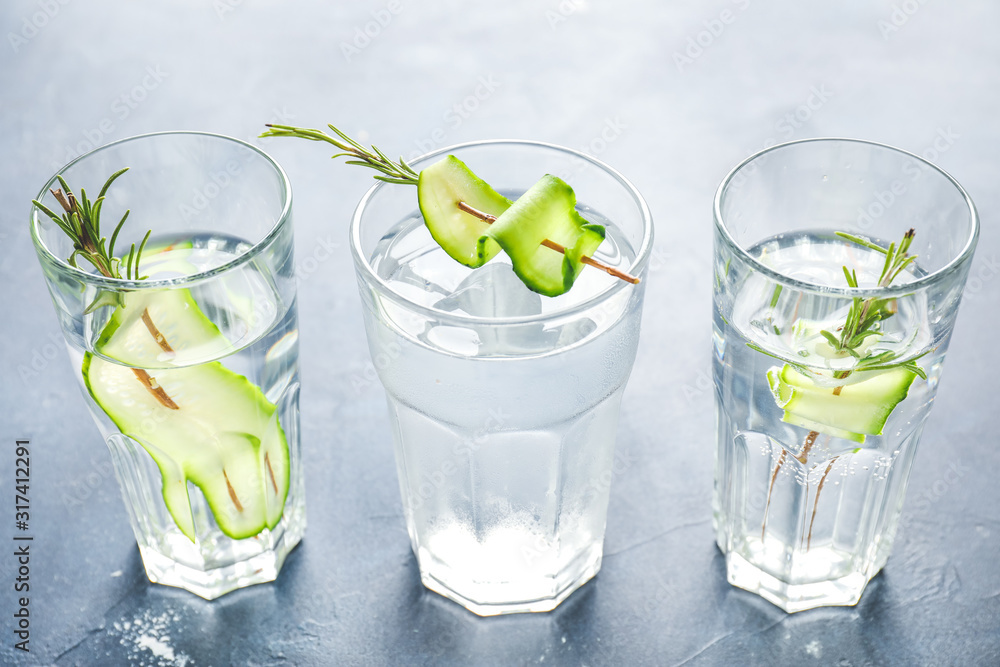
x: 192, y: 372
x: 829, y: 345
x: 503, y: 404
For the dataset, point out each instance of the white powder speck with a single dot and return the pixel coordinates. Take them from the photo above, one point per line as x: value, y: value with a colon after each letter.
x: 815, y: 649
x: 158, y: 648
x: 116, y: 573
x: 146, y: 639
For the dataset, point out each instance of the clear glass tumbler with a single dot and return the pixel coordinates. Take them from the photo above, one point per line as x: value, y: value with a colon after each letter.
x: 503, y: 403
x: 192, y: 372
x: 828, y: 352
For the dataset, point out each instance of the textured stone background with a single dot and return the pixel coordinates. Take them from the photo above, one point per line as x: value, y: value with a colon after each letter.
x: 672, y: 94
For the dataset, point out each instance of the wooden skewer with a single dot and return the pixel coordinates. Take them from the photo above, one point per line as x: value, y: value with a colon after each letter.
x: 589, y: 261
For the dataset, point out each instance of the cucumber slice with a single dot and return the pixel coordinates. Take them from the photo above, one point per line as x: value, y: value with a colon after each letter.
x: 192, y: 336
x: 167, y: 259
x: 860, y: 408
x: 225, y: 437
x: 440, y: 187
x: 795, y: 420
x: 546, y: 211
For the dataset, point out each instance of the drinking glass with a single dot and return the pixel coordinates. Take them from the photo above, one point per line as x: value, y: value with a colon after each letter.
x: 503, y: 403
x: 823, y: 386
x: 192, y: 372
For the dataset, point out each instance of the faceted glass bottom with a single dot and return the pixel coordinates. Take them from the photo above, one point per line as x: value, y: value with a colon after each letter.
x: 216, y: 582
x: 845, y: 591
x: 517, y: 598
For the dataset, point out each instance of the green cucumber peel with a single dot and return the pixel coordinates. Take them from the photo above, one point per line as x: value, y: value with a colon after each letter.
x: 224, y: 435
x: 461, y: 234
x: 858, y: 409
x: 546, y: 212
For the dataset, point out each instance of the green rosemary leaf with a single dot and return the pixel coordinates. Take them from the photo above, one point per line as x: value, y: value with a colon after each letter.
x: 859, y: 340
x: 111, y: 179
x: 128, y: 267
x: 407, y: 168
x: 114, y: 236
x: 902, y: 265
x: 774, y: 297
x: 44, y: 209
x: 390, y: 179
x: 349, y: 140
x: 847, y: 275
x: 861, y: 241
x: 831, y: 339
x: 138, y: 255
x: 912, y: 366
x: 799, y: 367
x: 879, y: 358
x: 890, y: 258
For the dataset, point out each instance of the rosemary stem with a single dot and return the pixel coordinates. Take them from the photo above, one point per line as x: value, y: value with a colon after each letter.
x: 68, y: 202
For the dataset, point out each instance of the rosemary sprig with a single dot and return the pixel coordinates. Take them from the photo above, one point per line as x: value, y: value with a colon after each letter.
x: 81, y: 221
x: 864, y: 317
x: 402, y: 174
x: 389, y: 171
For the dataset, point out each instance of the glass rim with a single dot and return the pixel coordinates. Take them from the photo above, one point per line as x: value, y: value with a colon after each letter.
x: 641, y: 257
x: 120, y: 284
x: 863, y: 292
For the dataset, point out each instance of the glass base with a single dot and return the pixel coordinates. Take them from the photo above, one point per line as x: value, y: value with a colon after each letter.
x: 845, y: 591
x: 210, y: 583
x: 493, y: 599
